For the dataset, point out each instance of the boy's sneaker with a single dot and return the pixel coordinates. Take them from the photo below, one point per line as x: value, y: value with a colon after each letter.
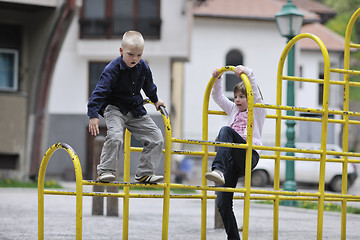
x: 106, y: 177
x: 215, y: 176
x: 149, y: 179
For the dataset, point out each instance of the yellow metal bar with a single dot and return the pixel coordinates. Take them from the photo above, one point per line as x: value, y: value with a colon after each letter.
x: 309, y: 119
x: 260, y: 194
x: 303, y: 109
x: 79, y: 188
x: 205, y: 122
x: 355, y: 45
x: 126, y: 203
x: 167, y: 175
x: 346, y: 71
x: 248, y: 163
x: 346, y: 117
x: 205, y: 148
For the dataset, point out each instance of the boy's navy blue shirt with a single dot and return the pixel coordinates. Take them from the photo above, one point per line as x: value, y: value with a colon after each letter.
x: 120, y: 86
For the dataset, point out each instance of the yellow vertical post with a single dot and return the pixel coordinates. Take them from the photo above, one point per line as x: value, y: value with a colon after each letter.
x: 278, y: 144
x: 205, y: 151
x: 167, y: 175
x: 126, y: 189
x: 79, y: 192
x: 204, y: 162
x: 41, y: 180
x: 346, y: 119
x: 248, y: 163
x: 324, y: 125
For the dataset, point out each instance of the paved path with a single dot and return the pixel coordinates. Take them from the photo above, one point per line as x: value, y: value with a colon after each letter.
x: 18, y: 219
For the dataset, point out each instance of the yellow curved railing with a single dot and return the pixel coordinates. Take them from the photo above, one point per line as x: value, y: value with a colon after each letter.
x: 246, y: 193
x: 42, y: 191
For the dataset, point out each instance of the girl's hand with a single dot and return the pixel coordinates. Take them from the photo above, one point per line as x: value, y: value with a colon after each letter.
x: 239, y: 70
x: 216, y: 74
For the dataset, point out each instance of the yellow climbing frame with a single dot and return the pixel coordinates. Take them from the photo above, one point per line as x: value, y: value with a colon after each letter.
x: 246, y: 193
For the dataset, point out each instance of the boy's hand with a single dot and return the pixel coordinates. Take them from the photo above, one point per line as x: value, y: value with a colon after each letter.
x: 216, y: 74
x: 94, y: 126
x: 159, y: 103
x: 239, y: 70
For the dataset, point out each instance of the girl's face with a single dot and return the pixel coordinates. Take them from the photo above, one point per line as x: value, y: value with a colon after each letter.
x: 131, y: 55
x: 240, y: 100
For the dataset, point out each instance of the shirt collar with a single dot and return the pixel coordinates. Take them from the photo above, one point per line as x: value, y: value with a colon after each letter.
x: 123, y: 65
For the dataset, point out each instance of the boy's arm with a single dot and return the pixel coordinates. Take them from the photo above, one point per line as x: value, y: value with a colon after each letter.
x: 149, y: 87
x: 94, y: 126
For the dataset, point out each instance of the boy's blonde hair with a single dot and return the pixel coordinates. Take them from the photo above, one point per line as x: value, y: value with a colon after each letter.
x: 240, y: 87
x: 132, y: 38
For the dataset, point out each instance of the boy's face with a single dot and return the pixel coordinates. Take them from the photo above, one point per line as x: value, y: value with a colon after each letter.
x: 240, y: 100
x: 131, y: 55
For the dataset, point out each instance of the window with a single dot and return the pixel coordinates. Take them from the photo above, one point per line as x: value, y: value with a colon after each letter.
x: 233, y: 58
x: 112, y: 18
x: 95, y: 70
x: 9, y: 161
x: 8, y: 69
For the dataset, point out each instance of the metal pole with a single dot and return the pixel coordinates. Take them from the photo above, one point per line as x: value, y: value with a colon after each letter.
x: 290, y: 184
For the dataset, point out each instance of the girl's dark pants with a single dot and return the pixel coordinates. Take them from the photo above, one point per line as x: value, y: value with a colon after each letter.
x: 231, y: 161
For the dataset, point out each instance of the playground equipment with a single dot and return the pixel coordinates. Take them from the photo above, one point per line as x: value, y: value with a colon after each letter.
x: 247, y: 193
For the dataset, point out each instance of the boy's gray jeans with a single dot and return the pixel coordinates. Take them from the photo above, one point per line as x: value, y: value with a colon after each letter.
x: 143, y: 129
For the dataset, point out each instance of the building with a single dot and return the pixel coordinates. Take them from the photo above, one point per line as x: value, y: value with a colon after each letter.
x: 31, y: 35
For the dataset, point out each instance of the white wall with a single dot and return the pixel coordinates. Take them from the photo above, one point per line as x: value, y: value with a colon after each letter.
x: 307, y: 96
x: 69, y: 87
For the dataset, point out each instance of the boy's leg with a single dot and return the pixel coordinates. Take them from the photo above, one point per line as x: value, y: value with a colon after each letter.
x: 224, y: 202
x: 145, y: 130
x: 113, y: 141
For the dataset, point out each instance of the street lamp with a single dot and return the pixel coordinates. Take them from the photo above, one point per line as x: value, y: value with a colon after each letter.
x: 289, y: 21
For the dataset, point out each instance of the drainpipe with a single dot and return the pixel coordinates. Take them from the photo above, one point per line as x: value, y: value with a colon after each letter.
x: 47, y: 67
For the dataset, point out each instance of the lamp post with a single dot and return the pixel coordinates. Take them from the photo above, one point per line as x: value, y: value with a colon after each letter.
x: 289, y: 21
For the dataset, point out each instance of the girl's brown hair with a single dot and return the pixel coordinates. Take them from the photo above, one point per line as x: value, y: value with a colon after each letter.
x: 240, y: 87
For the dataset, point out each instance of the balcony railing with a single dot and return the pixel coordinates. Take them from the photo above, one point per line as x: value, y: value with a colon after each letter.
x: 109, y: 28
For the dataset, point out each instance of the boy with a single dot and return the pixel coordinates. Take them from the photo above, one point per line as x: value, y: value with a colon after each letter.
x: 118, y: 99
x: 229, y: 163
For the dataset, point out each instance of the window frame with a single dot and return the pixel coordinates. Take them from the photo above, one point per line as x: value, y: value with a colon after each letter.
x: 108, y: 22
x: 90, y: 64
x: 15, y: 52
x: 230, y: 93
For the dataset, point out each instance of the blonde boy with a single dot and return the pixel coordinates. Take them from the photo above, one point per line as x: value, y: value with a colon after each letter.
x: 118, y: 99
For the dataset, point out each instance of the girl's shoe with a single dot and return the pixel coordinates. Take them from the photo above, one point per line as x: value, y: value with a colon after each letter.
x: 215, y: 176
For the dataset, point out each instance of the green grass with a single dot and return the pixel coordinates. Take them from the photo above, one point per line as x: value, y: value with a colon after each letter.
x: 11, y: 183
x: 328, y: 206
